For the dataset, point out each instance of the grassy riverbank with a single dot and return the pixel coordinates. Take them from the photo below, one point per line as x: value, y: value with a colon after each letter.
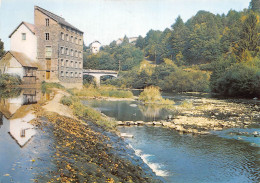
x: 88, y: 113
x: 102, y: 92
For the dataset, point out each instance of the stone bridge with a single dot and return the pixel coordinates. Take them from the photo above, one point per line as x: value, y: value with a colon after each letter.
x: 98, y: 73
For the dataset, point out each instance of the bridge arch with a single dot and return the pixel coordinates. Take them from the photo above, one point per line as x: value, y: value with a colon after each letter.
x: 99, y: 73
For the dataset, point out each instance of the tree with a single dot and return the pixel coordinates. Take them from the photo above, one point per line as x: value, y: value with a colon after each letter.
x: 178, y: 37
x: 140, y: 42
x: 2, y: 52
x: 249, y: 36
x: 255, y: 5
x: 203, y: 43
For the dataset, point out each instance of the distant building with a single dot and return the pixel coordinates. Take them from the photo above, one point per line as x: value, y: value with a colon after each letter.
x: 119, y: 41
x: 132, y: 40
x: 51, y: 49
x: 95, y: 47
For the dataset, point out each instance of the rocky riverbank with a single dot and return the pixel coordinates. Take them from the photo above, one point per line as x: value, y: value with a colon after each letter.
x: 201, y: 115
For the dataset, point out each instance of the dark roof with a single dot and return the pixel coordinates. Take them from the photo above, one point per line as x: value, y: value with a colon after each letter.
x: 56, y: 18
x: 31, y: 27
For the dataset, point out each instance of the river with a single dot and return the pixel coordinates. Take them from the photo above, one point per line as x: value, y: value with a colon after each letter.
x: 219, y: 157
x: 26, y: 152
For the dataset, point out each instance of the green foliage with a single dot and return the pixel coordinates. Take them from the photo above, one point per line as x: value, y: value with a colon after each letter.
x: 46, y: 87
x: 10, y: 92
x: 65, y: 100
x: 249, y: 36
x: 2, y: 52
x: 89, y: 113
x: 123, y: 57
x: 7, y: 80
x: 188, y: 81
x: 239, y: 80
x: 103, y: 91
x: 255, y: 5
x: 152, y: 95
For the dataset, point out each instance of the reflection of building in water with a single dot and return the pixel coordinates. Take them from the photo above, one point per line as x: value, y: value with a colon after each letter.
x: 20, y: 128
x: 18, y: 113
x: 1, y: 119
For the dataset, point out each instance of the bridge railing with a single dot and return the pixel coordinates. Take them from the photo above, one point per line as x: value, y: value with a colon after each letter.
x: 99, y: 71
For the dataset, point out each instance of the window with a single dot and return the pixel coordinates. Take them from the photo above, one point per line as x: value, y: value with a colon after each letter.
x: 76, y: 53
x: 67, y: 37
x: 80, y: 55
x: 76, y: 40
x: 47, y: 36
x: 67, y: 63
x: 71, y: 38
x: 76, y: 74
x: 79, y: 64
x: 67, y: 74
x: 71, y: 74
x: 47, y: 22
x: 62, y: 50
x: 79, y: 74
x: 62, y: 35
x: 76, y: 64
x: 71, y: 63
x: 48, y: 51
x: 62, y: 62
x: 71, y: 52
x: 67, y: 51
x: 61, y: 73
x: 23, y: 36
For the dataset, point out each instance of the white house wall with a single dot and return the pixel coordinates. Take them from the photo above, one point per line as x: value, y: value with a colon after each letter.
x: 28, y: 46
x: 14, y: 68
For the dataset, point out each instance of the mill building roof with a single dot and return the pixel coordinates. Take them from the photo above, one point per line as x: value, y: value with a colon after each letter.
x: 56, y: 18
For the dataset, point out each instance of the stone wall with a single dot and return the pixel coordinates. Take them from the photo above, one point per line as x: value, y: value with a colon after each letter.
x: 56, y: 64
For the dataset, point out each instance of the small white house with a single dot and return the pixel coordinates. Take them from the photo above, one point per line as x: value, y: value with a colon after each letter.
x: 95, y: 47
x: 19, y: 64
x: 24, y: 40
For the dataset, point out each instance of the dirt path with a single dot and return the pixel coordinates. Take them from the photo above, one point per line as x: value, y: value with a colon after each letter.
x: 55, y: 106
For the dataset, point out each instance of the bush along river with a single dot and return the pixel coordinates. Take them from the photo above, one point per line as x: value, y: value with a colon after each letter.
x: 228, y: 153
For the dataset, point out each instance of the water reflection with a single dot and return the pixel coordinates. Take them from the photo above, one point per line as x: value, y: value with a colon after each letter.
x: 17, y: 112
x: 20, y: 142
x: 130, y: 111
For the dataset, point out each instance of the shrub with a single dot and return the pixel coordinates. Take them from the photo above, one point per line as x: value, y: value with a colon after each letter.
x: 47, y: 86
x: 152, y: 95
x: 7, y: 80
x: 240, y: 80
x: 66, y: 101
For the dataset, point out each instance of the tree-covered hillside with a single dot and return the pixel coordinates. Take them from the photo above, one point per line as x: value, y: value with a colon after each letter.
x: 208, y: 51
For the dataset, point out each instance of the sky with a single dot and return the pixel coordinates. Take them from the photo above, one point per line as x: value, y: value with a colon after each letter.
x: 108, y: 20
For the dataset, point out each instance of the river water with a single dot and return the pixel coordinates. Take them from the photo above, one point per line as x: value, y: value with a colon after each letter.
x: 217, y: 157
x: 25, y: 151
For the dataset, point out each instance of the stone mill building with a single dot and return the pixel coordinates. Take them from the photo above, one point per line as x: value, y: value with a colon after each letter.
x: 49, y: 50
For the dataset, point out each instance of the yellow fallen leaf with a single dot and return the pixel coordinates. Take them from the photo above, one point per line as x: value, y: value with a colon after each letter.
x: 7, y: 175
